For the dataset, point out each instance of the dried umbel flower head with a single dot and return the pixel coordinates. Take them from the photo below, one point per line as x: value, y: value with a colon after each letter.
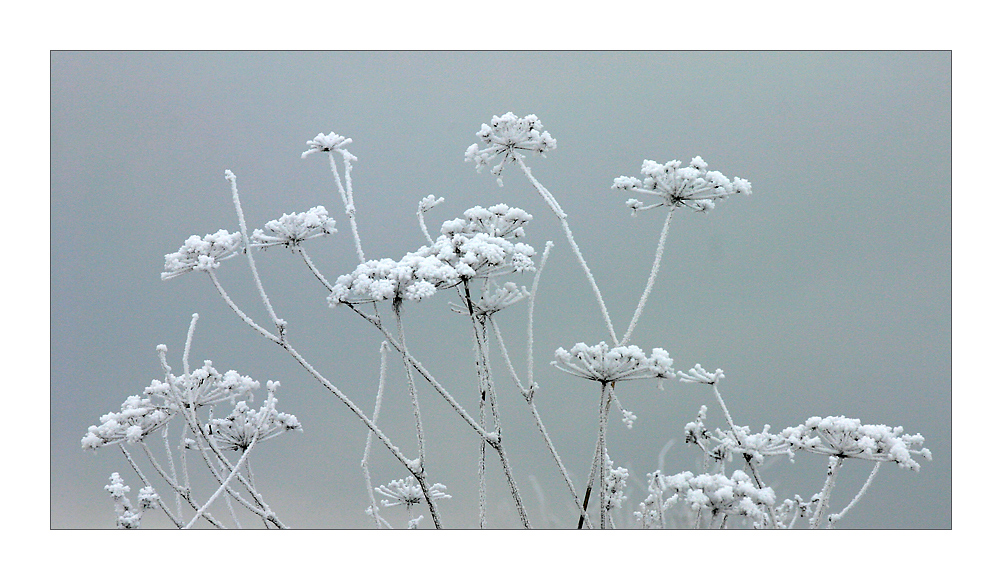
x: 622, y: 363
x: 329, y: 142
x: 844, y: 437
x: 507, y: 137
x: 292, y: 229
x: 721, y: 495
x: 408, y: 493
x: 244, y: 425
x: 477, y: 246
x: 692, y: 186
x: 201, y: 254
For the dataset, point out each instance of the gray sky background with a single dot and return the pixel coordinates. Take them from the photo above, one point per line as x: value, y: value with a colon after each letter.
x: 826, y: 292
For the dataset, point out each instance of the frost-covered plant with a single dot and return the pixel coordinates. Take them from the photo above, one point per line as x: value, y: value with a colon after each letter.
x: 477, y: 259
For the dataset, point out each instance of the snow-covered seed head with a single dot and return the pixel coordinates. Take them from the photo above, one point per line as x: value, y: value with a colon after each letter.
x: 508, y: 136
x: 844, y: 437
x: 622, y: 363
x: 201, y: 254
x: 329, y: 142
x: 692, y: 186
x: 291, y: 230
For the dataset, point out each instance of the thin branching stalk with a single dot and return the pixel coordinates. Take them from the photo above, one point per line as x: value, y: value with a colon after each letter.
x: 411, y: 388
x: 650, y: 280
x: 309, y: 263
x: 532, y: 309
x: 247, y: 319
x: 552, y: 202
x: 836, y: 517
x: 528, y: 395
x: 180, y: 492
x: 834, y: 463
x: 279, y: 323
x: 347, y: 198
x: 383, y: 351
x: 147, y: 483
x: 187, y: 343
x: 424, y: 373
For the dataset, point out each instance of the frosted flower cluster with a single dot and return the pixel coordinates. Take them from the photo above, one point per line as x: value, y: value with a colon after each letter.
x: 290, y: 230
x: 622, y: 363
x: 722, y: 444
x: 201, y: 254
x: 698, y: 374
x: 735, y: 495
x: 237, y: 430
x: 506, y: 137
x: 128, y: 517
x: 329, y: 142
x: 408, y: 493
x: 615, y: 484
x: 692, y: 186
x: 477, y: 245
x: 138, y: 418
x: 162, y: 400
x: 843, y: 437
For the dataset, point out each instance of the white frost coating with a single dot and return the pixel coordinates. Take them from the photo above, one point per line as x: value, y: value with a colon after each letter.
x: 291, y: 230
x: 480, y: 244
x: 408, y: 493
x: 692, y: 186
x: 201, y: 254
x: 329, y: 142
x: 506, y: 137
x: 844, y: 437
x: 622, y: 363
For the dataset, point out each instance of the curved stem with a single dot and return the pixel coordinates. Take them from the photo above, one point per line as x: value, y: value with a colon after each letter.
x: 552, y: 202
x: 650, y: 280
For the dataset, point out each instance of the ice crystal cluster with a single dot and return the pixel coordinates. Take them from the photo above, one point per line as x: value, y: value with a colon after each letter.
x: 488, y: 245
x: 507, y: 137
x: 290, y: 230
x: 621, y: 363
x: 201, y: 254
x: 480, y: 244
x: 693, y: 186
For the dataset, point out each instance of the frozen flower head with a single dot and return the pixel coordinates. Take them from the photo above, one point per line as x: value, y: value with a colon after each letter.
x: 201, y: 387
x: 721, y: 445
x: 291, y: 230
x: 416, y: 276
x: 201, y: 254
x: 138, y: 418
x: 408, y: 493
x: 329, y: 142
x: 722, y: 495
x: 692, y: 186
x: 477, y: 246
x: 622, y: 363
x: 243, y: 425
x: 698, y: 374
x: 843, y: 437
x: 508, y: 136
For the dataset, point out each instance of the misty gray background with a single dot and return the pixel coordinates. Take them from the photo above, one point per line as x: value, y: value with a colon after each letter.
x: 826, y: 292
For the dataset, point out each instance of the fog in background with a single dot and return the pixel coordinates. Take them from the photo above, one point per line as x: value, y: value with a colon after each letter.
x: 826, y: 292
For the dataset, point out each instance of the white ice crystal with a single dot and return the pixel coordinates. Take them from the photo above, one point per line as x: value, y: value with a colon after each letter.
x: 698, y: 374
x: 243, y: 425
x: 407, y: 492
x: 475, y: 246
x: 692, y: 186
x: 622, y: 363
x: 290, y: 230
x: 507, y: 136
x: 329, y: 142
x: 843, y: 437
x: 735, y: 495
x: 201, y: 254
